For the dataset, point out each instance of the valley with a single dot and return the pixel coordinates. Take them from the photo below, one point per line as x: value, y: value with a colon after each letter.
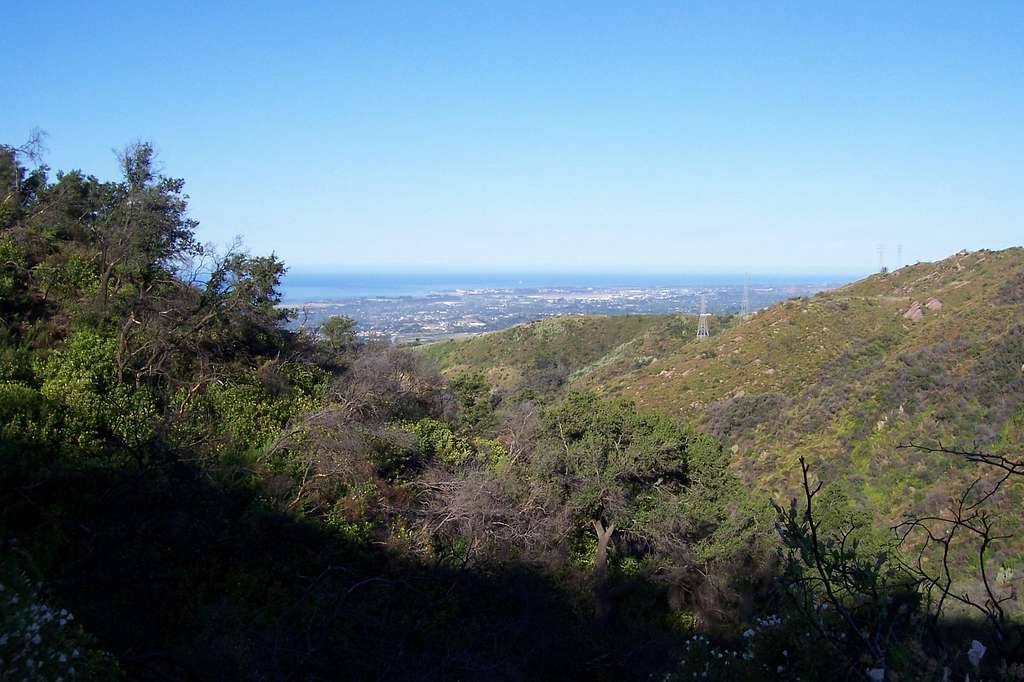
x: 930, y: 352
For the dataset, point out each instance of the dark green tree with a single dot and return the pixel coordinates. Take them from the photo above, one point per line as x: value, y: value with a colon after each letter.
x: 338, y: 334
x: 605, y: 459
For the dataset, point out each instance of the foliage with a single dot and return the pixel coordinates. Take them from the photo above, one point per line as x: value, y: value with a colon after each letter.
x: 538, y: 357
x: 338, y: 333
x: 731, y: 418
x: 607, y: 454
x: 215, y: 496
x: 435, y: 439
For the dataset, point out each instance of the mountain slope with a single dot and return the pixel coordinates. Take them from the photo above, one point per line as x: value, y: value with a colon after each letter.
x: 933, y: 351
x: 930, y: 352
x: 541, y: 356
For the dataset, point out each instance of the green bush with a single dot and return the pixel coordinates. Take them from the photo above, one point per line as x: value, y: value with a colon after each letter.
x: 436, y: 439
x: 23, y: 415
x: 252, y: 408
x: 90, y: 406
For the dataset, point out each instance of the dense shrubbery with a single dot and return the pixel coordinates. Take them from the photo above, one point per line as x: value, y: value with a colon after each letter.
x: 729, y: 419
x: 215, y: 497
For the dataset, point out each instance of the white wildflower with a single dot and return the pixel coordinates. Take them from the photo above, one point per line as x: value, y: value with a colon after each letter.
x: 876, y: 674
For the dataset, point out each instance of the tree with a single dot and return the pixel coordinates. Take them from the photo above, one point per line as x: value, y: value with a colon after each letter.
x: 338, y: 333
x: 475, y: 402
x: 142, y: 229
x: 605, y: 459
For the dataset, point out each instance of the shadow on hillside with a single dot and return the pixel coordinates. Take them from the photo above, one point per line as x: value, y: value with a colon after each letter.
x: 183, y: 579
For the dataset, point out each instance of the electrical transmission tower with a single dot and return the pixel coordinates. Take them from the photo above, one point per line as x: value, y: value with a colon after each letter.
x: 899, y: 256
x: 881, y: 259
x: 702, y: 321
x: 746, y: 296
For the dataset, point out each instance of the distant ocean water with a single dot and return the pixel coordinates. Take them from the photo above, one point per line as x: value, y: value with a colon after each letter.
x: 307, y: 287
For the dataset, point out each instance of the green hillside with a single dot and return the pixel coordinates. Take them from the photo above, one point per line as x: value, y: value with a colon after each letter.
x: 542, y: 356
x: 190, y: 489
x: 930, y: 352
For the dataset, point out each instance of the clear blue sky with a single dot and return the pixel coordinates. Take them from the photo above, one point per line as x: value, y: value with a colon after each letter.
x: 672, y: 137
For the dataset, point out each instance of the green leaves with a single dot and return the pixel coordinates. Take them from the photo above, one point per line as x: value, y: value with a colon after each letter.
x: 606, y: 454
x: 338, y: 333
x: 91, y: 405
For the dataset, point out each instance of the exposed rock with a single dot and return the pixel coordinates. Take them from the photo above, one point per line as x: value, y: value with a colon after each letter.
x: 933, y: 304
x: 914, y: 313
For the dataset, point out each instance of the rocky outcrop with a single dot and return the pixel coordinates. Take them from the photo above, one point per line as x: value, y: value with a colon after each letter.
x: 915, y: 312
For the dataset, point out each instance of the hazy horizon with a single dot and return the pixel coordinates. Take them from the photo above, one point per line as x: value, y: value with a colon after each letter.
x: 299, y: 287
x: 415, y: 269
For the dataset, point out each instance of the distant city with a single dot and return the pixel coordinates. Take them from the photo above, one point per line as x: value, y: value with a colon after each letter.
x: 423, y: 316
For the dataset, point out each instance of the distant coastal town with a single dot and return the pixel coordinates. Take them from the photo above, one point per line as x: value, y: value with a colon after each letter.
x: 442, y: 315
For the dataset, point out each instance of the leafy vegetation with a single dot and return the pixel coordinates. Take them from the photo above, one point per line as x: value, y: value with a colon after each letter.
x: 188, y: 490
x: 539, y: 358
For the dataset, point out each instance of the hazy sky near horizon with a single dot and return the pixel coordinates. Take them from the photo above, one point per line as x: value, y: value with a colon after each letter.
x: 787, y: 136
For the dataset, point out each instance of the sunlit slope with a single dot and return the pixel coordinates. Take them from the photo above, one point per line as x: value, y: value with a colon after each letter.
x: 931, y: 351
x: 542, y: 356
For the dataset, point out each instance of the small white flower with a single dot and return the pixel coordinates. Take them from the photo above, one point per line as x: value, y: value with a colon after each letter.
x: 876, y: 674
x: 748, y: 633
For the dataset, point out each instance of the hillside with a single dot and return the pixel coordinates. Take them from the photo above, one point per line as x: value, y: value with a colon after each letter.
x: 209, y: 494
x: 542, y: 356
x: 931, y: 351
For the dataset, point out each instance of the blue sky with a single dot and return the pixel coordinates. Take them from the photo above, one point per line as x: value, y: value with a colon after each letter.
x: 724, y: 136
